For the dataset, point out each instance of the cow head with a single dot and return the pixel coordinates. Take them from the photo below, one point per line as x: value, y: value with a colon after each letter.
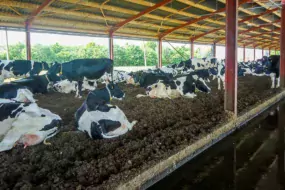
x: 202, y: 86
x: 65, y: 86
x: 115, y: 91
x: 55, y: 69
x: 24, y: 95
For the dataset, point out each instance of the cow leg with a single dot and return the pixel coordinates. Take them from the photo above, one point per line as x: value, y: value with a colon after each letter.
x: 190, y: 95
x: 79, y: 89
x: 10, y: 140
x: 278, y: 82
x: 272, y: 76
x: 140, y: 95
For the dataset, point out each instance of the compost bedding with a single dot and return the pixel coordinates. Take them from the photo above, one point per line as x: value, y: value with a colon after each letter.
x: 74, y: 161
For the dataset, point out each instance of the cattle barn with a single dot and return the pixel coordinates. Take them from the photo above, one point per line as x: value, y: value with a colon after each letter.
x: 141, y: 127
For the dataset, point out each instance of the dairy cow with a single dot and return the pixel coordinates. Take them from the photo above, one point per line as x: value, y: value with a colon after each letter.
x: 183, y: 86
x: 25, y: 123
x: 66, y: 86
x: 77, y: 69
x: 25, y: 68
x: 273, y: 70
x: 98, y: 118
x: 16, y: 92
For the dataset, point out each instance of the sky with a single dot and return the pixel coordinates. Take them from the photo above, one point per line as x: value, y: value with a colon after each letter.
x: 68, y: 40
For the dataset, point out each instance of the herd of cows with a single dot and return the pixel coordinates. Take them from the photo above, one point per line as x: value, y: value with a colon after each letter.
x: 22, y: 121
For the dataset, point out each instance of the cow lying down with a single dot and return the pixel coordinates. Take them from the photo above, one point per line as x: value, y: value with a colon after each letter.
x: 16, y: 92
x: 182, y: 86
x: 66, y: 86
x: 99, y: 118
x: 25, y: 123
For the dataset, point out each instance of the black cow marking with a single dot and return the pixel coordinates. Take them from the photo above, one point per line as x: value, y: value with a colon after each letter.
x: 178, y: 83
x: 10, y: 109
x: 52, y: 125
x: 109, y: 125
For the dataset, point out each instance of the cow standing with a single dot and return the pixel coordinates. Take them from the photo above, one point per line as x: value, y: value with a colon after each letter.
x: 21, y: 68
x: 77, y: 69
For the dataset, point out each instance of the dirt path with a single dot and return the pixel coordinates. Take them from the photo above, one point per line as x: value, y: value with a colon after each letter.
x: 164, y: 127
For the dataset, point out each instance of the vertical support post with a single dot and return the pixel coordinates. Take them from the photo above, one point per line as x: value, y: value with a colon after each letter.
x: 282, y: 46
x: 231, y: 56
x: 275, y: 52
x: 7, y: 44
x: 214, y: 49
x: 111, y: 46
x: 160, y: 53
x: 254, y: 53
x: 192, y: 49
x: 144, y: 54
x: 262, y: 52
x: 28, y: 42
x: 243, y: 53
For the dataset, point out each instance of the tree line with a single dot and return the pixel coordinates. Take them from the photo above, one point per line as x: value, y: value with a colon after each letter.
x: 127, y: 55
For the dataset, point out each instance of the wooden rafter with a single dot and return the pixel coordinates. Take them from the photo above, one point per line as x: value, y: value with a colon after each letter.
x: 37, y: 11
x: 146, y: 11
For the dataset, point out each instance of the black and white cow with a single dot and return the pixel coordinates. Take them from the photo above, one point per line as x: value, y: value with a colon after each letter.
x: 77, y: 69
x: 22, y: 90
x: 66, y: 86
x: 21, y: 68
x: 16, y: 92
x: 183, y: 86
x: 25, y: 123
x: 274, y: 70
x: 99, y: 118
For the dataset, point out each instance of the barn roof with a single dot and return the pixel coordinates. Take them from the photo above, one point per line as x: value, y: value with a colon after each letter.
x: 172, y: 20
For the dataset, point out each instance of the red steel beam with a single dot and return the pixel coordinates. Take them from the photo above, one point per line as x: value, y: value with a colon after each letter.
x: 231, y: 56
x: 148, y: 10
x: 36, y: 12
x: 258, y: 35
x: 199, y: 19
x: 239, y: 22
x: 190, y: 22
x: 160, y: 53
x: 259, y: 27
x: 28, y: 24
x: 282, y: 46
x: 252, y: 29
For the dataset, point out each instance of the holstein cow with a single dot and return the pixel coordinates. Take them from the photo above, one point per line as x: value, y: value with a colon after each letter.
x: 25, y: 123
x: 16, y: 92
x: 273, y: 70
x: 66, y: 86
x: 100, y: 119
x: 21, y: 68
x: 145, y: 79
x: 22, y: 90
x: 77, y: 69
x: 182, y: 86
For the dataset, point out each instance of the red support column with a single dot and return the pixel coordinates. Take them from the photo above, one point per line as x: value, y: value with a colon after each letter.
x: 243, y: 53
x: 111, y: 46
x: 214, y: 49
x: 28, y: 42
x: 253, y: 53
x: 282, y: 46
x: 192, y: 49
x: 160, y: 53
x: 231, y: 56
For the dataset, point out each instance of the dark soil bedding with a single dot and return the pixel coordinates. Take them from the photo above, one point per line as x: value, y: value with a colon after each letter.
x: 164, y: 127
